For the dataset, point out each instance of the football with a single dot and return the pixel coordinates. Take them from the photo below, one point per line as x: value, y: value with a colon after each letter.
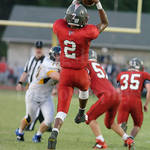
x: 88, y: 2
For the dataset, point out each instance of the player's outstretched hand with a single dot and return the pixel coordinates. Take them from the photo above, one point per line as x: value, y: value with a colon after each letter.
x: 146, y: 108
x: 19, y: 87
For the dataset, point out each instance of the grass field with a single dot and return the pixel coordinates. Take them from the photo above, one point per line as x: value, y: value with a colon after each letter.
x: 72, y: 136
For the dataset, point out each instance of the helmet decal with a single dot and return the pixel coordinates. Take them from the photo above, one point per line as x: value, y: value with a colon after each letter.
x: 77, y: 15
x: 76, y: 6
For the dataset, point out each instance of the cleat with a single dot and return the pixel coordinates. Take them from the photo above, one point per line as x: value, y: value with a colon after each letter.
x: 130, y: 143
x: 79, y: 118
x: 50, y: 129
x: 52, y: 141
x: 20, y: 136
x: 36, y: 138
x: 125, y: 144
x: 100, y: 145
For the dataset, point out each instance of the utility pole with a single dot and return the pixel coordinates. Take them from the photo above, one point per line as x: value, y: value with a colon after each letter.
x: 115, y: 5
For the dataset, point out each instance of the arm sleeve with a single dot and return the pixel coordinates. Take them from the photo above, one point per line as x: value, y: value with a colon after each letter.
x: 146, y: 76
x: 26, y: 67
x: 57, y: 24
x: 92, y: 32
x: 50, y: 71
x: 50, y: 67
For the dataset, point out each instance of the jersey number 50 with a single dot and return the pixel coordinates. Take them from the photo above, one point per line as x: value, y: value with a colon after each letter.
x: 72, y: 49
x: 100, y: 73
x: 134, y: 82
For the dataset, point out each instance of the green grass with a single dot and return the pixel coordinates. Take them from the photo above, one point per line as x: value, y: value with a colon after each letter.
x: 71, y: 137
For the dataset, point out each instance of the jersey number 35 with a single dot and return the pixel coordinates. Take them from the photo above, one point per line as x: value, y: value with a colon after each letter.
x: 133, y: 84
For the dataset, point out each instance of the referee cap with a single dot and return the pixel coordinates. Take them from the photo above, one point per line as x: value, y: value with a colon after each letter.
x: 38, y: 44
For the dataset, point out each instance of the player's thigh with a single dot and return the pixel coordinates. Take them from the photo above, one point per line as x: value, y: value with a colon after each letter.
x: 137, y: 113
x: 48, y: 110
x: 111, y: 114
x: 123, y: 112
x: 82, y: 80
x: 64, y: 98
x: 97, y: 110
x: 32, y: 107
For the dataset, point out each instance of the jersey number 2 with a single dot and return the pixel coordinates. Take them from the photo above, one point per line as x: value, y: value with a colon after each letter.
x: 134, y: 83
x: 72, y: 49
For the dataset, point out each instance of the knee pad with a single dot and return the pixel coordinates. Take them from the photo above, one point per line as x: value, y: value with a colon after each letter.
x: 84, y: 94
x: 27, y: 119
x: 48, y: 121
x: 61, y: 115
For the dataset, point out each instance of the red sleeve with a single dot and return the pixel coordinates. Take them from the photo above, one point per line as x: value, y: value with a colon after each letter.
x: 92, y: 32
x: 118, y: 78
x: 57, y: 25
x: 146, y: 76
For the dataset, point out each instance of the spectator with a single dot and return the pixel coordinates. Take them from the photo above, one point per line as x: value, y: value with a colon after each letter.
x: 3, y: 70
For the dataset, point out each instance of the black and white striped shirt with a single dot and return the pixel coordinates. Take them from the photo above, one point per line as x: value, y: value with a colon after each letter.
x: 32, y: 67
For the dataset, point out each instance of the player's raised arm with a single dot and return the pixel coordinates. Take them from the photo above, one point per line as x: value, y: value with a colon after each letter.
x: 103, y: 17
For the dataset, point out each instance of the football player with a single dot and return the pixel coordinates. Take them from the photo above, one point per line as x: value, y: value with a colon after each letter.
x: 38, y: 95
x: 109, y: 100
x: 131, y: 84
x: 29, y: 75
x: 74, y: 35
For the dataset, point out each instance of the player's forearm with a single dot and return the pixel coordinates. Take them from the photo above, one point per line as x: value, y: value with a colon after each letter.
x: 147, y: 86
x: 103, y: 17
x: 147, y: 98
x: 23, y: 77
x: 104, y: 20
x: 54, y: 76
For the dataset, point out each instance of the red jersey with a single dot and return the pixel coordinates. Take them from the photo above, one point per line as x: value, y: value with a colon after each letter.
x: 132, y: 82
x: 99, y: 80
x: 74, y: 43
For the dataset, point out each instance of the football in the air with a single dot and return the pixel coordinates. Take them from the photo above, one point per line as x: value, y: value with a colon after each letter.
x: 88, y: 2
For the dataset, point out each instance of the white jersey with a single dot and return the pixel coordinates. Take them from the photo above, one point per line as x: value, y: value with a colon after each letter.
x: 32, y: 66
x: 41, y: 87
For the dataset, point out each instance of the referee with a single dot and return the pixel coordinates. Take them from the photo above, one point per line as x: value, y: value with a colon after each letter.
x: 29, y: 74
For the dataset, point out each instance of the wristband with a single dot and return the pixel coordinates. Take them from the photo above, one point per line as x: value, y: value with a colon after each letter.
x: 20, y: 82
x: 99, y: 6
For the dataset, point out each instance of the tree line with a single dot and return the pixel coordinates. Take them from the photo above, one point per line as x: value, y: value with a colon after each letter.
x: 119, y: 5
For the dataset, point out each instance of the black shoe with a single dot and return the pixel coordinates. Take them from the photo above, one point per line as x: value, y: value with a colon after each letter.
x: 49, y: 129
x: 125, y: 145
x: 79, y: 118
x: 52, y: 141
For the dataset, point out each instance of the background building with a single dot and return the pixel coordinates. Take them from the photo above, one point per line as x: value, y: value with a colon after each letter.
x: 120, y: 46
